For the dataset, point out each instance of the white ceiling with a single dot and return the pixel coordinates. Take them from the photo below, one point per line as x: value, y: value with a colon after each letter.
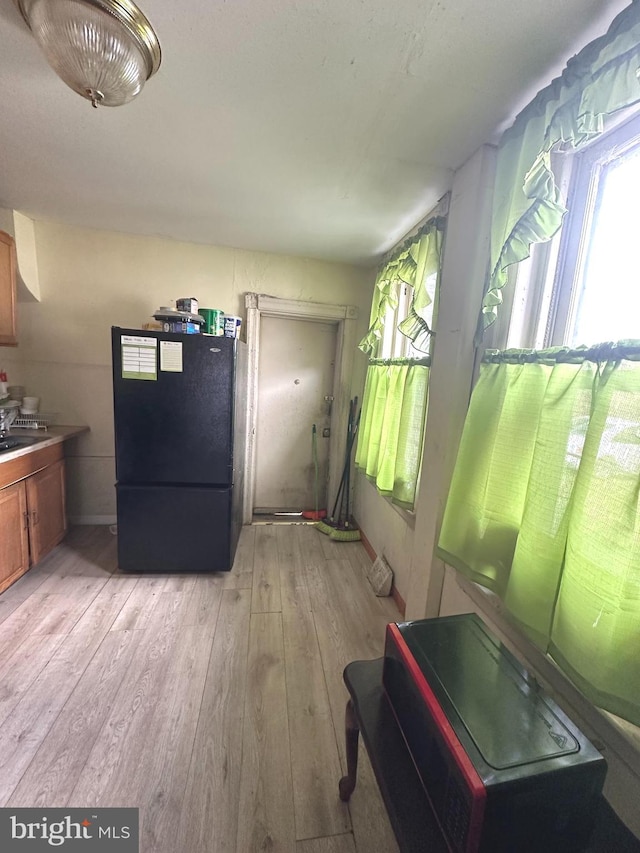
x: 324, y: 128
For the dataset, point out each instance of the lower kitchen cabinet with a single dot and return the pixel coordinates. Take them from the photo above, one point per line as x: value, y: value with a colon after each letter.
x: 33, y: 516
x: 14, y: 536
x: 46, y: 508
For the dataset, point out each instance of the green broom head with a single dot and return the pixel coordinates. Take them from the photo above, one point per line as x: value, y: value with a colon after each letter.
x: 324, y: 527
x: 345, y: 534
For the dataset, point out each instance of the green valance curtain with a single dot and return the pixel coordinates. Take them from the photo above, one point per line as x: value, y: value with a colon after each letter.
x: 544, y: 508
x: 527, y: 209
x: 413, y: 263
x: 392, y: 425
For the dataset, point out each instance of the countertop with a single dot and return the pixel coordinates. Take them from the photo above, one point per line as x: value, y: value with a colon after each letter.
x: 53, y: 435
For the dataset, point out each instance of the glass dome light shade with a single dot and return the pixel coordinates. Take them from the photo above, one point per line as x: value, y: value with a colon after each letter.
x: 104, y: 50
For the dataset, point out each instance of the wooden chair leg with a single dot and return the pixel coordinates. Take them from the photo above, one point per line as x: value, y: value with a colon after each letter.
x: 347, y: 784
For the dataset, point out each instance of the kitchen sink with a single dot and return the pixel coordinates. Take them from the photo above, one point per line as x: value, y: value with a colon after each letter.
x: 15, y: 442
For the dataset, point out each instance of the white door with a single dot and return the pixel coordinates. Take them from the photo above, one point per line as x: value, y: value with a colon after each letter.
x: 295, y: 384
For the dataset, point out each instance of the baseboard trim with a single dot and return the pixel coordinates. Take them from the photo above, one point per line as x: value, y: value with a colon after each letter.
x: 398, y: 599
x: 93, y: 519
x: 367, y: 546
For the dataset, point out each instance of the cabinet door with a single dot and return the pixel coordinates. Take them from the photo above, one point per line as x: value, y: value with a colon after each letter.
x: 47, y: 511
x: 14, y: 539
x: 8, y: 331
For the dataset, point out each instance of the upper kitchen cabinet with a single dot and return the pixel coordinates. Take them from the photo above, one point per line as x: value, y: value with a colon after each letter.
x: 8, y: 331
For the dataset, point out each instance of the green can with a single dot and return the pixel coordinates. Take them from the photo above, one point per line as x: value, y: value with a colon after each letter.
x: 213, y: 320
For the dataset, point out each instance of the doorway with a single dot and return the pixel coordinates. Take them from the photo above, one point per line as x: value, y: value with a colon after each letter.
x: 295, y: 391
x: 343, y: 318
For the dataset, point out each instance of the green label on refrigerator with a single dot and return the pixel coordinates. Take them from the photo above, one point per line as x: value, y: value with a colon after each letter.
x: 139, y: 357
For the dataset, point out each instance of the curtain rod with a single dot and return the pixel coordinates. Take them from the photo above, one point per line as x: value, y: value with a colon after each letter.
x: 607, y: 351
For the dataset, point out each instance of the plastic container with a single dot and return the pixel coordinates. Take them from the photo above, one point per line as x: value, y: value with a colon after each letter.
x: 213, y: 321
x: 188, y: 304
x: 232, y: 326
x: 181, y: 327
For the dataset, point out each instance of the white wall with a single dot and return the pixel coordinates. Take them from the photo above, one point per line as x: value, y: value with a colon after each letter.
x: 91, y: 280
x: 388, y: 530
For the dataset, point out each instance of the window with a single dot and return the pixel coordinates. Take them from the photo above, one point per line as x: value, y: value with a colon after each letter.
x: 395, y: 344
x: 581, y: 288
x: 543, y: 507
x: 394, y: 404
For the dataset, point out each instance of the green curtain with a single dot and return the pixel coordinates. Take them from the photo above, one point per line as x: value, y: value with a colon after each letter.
x: 544, y: 508
x: 392, y: 425
x: 527, y: 208
x: 413, y: 263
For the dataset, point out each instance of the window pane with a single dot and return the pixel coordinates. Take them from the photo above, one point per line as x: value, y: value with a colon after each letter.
x: 404, y: 300
x: 609, y: 305
x: 386, y: 343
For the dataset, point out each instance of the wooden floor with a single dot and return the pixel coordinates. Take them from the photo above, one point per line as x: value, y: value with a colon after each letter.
x: 214, y: 703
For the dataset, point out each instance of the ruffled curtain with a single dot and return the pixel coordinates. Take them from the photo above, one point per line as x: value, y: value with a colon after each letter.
x: 416, y: 260
x: 527, y: 208
x: 392, y: 425
x: 544, y: 509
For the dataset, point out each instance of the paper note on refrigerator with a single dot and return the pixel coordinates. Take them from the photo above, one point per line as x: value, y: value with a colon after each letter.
x: 139, y: 357
x: 171, y: 356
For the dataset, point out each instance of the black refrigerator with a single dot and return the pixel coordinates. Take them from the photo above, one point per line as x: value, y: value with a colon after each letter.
x: 179, y: 416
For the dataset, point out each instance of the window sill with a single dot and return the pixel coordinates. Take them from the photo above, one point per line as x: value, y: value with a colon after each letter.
x: 409, y: 516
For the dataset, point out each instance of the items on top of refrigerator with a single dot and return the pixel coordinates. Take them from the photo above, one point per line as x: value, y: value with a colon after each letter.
x: 213, y: 321
x: 190, y: 305
x: 185, y: 318
x: 232, y: 326
x: 179, y: 321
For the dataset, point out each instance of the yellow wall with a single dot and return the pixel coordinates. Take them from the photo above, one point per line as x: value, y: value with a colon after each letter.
x: 91, y: 280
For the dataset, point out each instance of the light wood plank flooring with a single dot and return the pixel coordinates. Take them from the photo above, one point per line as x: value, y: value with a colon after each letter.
x: 214, y: 703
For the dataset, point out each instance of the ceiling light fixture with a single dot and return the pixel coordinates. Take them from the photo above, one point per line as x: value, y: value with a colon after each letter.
x: 105, y: 50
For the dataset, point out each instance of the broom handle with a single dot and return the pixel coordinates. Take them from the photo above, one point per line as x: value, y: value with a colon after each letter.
x: 350, y: 438
x: 314, y: 451
x: 347, y: 461
x: 353, y: 439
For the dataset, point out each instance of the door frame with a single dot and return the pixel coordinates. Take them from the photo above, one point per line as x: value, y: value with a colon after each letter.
x: 344, y: 317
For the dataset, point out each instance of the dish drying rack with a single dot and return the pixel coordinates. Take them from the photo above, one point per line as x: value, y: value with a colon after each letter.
x: 36, y: 421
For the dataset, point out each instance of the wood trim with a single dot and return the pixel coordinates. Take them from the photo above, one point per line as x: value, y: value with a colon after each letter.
x: 11, y: 340
x: 398, y: 599
x: 30, y: 463
x: 273, y: 306
x: 6, y: 583
x: 21, y: 492
x: 368, y: 547
x: 46, y: 502
x: 344, y: 316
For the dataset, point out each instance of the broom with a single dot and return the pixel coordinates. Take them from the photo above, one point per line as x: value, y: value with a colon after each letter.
x: 329, y: 525
x: 317, y: 514
x: 347, y: 532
